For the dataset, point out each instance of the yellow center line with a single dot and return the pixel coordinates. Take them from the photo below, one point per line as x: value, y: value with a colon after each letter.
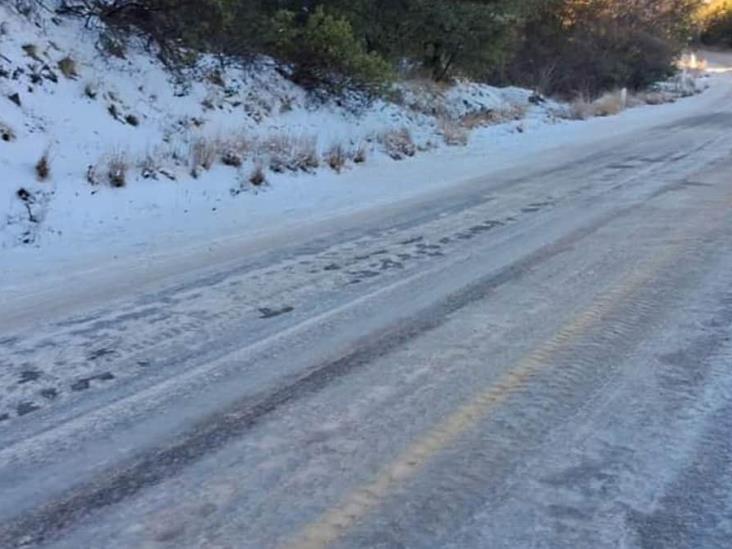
x: 333, y: 523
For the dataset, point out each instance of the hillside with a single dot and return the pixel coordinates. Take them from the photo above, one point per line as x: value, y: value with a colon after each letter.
x: 109, y: 153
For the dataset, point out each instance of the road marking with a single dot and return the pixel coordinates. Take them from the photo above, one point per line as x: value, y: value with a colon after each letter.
x: 333, y: 523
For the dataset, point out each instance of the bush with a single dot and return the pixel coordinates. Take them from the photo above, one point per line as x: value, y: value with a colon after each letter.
x: 325, y: 52
x: 716, y: 20
x: 590, y: 47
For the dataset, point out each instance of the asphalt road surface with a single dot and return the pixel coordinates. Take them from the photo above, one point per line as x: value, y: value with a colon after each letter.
x: 537, y: 358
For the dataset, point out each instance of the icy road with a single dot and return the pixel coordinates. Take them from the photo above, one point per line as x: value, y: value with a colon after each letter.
x: 538, y: 357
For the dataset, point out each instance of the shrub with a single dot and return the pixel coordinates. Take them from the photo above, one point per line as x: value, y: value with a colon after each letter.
x: 112, y: 45
x: 591, y: 47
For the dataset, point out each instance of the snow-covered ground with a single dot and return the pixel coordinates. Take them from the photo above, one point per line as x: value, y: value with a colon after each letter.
x: 131, y: 115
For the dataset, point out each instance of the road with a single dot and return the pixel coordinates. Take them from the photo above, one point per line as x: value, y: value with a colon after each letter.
x: 537, y: 358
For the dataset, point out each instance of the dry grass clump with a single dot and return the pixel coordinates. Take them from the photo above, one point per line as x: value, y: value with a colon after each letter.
x: 117, y: 167
x: 113, y: 169
x: 609, y: 104
x: 336, y: 157
x: 229, y: 157
x: 203, y: 153
x: 216, y: 78
x: 398, y: 143
x: 149, y: 165
x: 453, y: 133
x: 31, y: 50
x: 655, y: 98
x: 492, y: 117
x: 286, y: 153
x: 580, y: 108
x: 132, y: 120
x: 68, y: 68
x: 43, y: 166
x: 360, y: 154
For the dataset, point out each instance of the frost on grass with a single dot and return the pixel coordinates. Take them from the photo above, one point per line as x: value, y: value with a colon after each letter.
x: 398, y: 143
x: 43, y: 166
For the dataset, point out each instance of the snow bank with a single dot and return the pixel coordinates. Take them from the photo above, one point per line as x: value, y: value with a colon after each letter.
x: 188, y: 144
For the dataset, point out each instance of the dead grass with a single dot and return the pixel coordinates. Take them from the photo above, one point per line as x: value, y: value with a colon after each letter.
x: 43, y: 166
x: 492, y: 117
x: 91, y: 90
x: 360, y: 154
x: 68, y: 68
x: 610, y: 104
x: 580, y: 108
x: 216, y: 78
x: 453, y: 133
x: 150, y: 165
x: 398, y: 143
x: 117, y: 167
x: 203, y: 153
x: 336, y: 157
x: 31, y: 50
x: 257, y: 177
x: 286, y: 153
